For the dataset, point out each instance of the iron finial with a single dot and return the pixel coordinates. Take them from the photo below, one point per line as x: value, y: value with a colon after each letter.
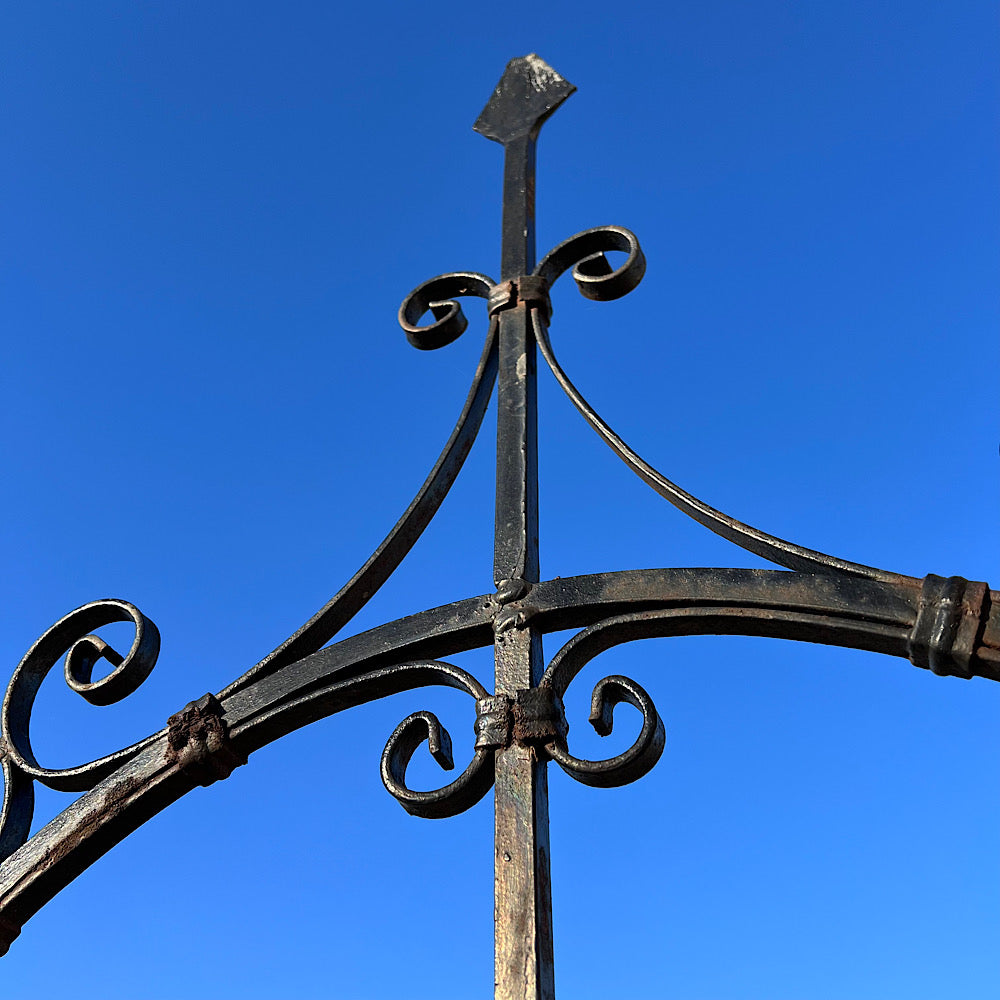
x: 528, y: 92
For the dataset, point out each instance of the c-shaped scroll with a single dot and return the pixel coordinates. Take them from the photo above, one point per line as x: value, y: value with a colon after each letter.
x: 70, y: 635
x: 640, y: 758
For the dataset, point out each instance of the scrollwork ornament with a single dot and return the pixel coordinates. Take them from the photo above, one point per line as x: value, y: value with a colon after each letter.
x: 634, y: 763
x: 594, y: 276
x: 71, y: 636
x: 438, y: 296
x: 474, y: 782
x: 596, y: 279
x: 470, y: 786
x: 18, y: 806
x: 647, y: 748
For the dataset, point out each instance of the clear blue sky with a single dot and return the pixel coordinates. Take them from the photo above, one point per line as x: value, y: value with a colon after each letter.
x: 211, y: 213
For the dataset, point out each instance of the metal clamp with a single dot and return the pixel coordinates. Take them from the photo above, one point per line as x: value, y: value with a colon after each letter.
x: 533, y: 717
x: 198, y: 742
x: 529, y: 289
x: 492, y: 722
x: 949, y: 623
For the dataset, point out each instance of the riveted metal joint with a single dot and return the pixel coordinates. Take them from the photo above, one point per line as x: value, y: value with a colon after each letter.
x: 516, y: 617
x: 512, y: 612
x: 512, y: 590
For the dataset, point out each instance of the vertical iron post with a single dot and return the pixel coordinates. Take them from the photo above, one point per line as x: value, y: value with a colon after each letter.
x: 527, y: 94
x: 523, y: 902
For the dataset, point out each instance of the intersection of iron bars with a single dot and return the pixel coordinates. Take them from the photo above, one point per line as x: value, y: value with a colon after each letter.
x: 947, y: 625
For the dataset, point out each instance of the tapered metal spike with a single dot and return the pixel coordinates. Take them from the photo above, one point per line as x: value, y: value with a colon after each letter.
x: 528, y: 92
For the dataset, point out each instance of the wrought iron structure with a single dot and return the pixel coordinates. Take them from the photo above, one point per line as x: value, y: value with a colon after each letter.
x: 947, y: 625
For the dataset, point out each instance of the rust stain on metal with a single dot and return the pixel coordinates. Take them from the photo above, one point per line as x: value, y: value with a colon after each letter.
x: 113, y: 804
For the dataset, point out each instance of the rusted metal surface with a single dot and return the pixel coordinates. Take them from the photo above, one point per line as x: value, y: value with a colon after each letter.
x: 950, y: 623
x: 950, y: 626
x: 198, y: 742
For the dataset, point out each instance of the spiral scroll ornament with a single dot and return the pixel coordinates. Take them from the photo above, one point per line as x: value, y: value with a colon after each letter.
x: 70, y: 636
x: 634, y: 763
x: 640, y: 758
x: 466, y: 790
x: 594, y: 276
x: 437, y: 296
x: 596, y: 279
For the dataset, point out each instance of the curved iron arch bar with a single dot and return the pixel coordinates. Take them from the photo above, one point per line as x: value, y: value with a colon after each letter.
x: 946, y: 625
x: 832, y: 601
x: 151, y: 779
x: 70, y: 634
x: 437, y: 296
x: 596, y: 279
x: 611, y: 607
x: 644, y: 753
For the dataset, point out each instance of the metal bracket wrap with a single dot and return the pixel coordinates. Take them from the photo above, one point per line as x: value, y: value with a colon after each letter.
x: 952, y: 614
x: 492, y: 722
x: 530, y: 289
x: 538, y: 717
x: 198, y: 742
x: 533, y: 717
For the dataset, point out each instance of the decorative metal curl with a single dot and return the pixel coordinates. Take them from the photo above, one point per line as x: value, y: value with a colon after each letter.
x: 437, y: 296
x: 474, y: 782
x: 18, y: 808
x: 596, y: 280
x: 634, y: 763
x: 593, y: 275
x: 70, y: 635
x: 380, y: 565
x: 640, y: 758
x: 466, y: 790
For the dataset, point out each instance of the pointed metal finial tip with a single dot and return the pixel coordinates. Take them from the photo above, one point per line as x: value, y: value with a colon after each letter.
x: 528, y: 92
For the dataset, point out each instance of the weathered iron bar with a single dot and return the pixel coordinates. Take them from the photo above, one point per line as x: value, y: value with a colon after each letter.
x: 526, y: 95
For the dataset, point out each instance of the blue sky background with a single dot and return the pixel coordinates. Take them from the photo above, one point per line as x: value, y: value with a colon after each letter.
x: 212, y: 211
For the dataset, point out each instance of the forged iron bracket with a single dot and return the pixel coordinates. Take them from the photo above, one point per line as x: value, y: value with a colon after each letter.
x: 493, y: 722
x: 538, y: 717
